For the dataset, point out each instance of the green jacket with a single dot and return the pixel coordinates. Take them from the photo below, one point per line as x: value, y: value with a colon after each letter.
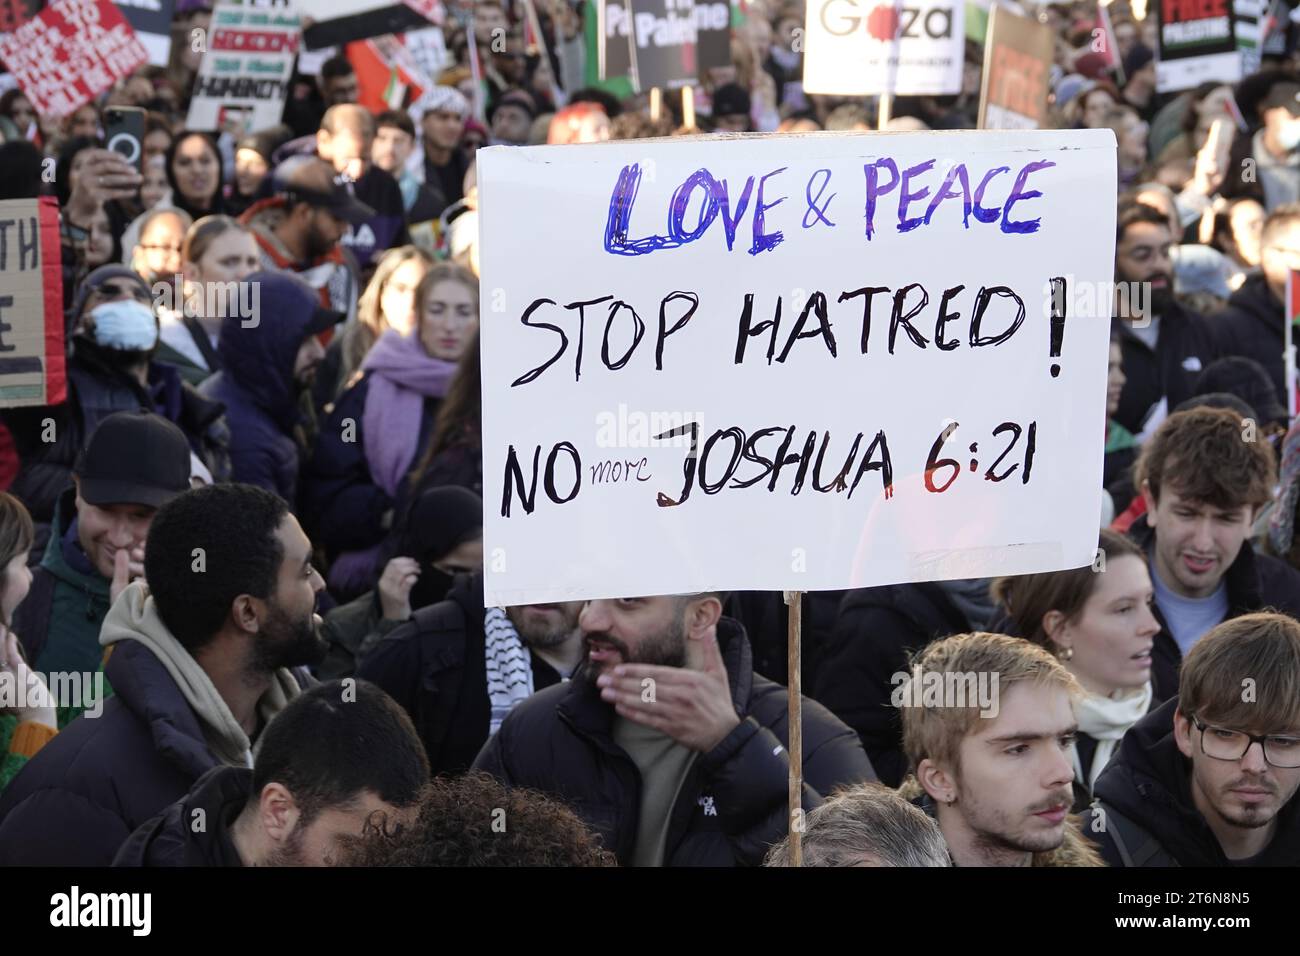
x: 60, y: 619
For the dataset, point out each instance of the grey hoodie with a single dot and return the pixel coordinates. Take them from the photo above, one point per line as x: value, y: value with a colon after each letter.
x: 134, y: 617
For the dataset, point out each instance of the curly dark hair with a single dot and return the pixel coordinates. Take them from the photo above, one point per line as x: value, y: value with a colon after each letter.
x: 475, y: 820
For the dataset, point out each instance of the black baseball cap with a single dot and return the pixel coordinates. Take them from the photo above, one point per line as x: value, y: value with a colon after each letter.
x: 134, y: 458
x: 1285, y: 94
x: 294, y: 179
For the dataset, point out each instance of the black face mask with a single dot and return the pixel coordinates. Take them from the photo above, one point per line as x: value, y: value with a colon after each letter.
x: 431, y: 587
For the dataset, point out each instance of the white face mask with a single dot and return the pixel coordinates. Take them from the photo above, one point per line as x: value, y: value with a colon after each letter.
x: 127, y: 325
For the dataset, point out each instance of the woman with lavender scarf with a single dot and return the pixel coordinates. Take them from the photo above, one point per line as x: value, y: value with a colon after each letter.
x: 380, y: 425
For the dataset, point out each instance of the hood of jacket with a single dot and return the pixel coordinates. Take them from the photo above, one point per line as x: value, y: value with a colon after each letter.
x: 260, y: 359
x: 1075, y: 848
x: 1149, y: 781
x: 134, y: 617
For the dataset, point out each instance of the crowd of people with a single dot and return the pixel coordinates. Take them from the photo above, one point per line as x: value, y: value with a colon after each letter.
x: 241, y: 565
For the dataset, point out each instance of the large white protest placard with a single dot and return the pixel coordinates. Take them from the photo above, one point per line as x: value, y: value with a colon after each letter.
x: 908, y: 47
x: 736, y: 363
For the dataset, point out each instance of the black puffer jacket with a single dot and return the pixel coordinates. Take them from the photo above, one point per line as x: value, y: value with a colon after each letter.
x: 877, y: 631
x: 173, y: 838
x: 732, y: 805
x: 1185, y: 347
x: 1251, y: 326
x: 434, y: 666
x: 1255, y: 582
x: 1145, y: 804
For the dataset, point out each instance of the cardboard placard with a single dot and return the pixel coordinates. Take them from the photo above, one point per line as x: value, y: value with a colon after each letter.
x: 32, y: 356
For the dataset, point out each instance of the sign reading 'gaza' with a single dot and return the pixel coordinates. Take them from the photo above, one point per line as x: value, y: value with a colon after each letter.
x: 810, y: 363
x: 857, y: 47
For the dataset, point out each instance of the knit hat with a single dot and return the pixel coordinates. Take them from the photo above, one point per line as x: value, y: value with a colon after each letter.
x: 1248, y: 380
x: 96, y: 279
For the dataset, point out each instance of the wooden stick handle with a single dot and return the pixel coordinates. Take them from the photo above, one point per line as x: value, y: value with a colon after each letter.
x: 794, y: 600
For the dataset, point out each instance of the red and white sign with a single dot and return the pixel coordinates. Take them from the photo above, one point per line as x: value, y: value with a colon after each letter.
x: 70, y: 53
x: 865, y: 47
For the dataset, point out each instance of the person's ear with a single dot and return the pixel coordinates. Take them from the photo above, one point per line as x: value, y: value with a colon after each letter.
x: 1183, y: 733
x: 701, y: 615
x: 277, y: 812
x: 1056, y: 628
x: 1150, y: 500
x: 244, y: 613
x: 937, y: 782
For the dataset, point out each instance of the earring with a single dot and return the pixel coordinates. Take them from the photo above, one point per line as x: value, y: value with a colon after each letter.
x: 1067, y: 653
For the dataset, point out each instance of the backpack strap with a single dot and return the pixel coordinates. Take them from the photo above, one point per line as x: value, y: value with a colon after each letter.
x: 1136, y: 846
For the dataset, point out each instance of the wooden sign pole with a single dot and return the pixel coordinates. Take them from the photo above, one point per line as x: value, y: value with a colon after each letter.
x: 794, y: 601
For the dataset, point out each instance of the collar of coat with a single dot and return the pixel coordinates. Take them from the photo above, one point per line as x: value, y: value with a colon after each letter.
x: 1075, y: 849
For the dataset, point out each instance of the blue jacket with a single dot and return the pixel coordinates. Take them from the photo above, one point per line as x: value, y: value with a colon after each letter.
x: 342, y: 504
x: 256, y: 384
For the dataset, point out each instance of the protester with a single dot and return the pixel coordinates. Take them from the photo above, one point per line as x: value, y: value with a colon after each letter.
x: 217, y: 253
x: 459, y: 668
x: 1265, y: 166
x: 388, y: 303
x: 712, y: 736
x: 392, y: 151
x: 133, y: 464
x: 345, y: 139
x: 378, y: 427
x: 155, y: 192
x: 1253, y: 323
x: 111, y: 369
x: 442, y: 122
x: 511, y: 118
x: 454, y: 453
x: 1203, y: 485
x: 442, y: 537
x: 253, y: 156
x: 266, y: 366
x: 299, y: 229
x: 336, y: 757
x: 992, y: 765
x: 157, y: 255
x: 1164, y: 345
x: 338, y: 81
x: 31, y: 722
x: 474, y: 820
x: 1098, y: 620
x: 1210, y: 778
x: 201, y: 659
x: 868, y: 825
x: 195, y: 175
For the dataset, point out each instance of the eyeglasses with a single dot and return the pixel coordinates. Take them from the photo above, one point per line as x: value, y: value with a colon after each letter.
x: 160, y: 248
x: 1222, y: 744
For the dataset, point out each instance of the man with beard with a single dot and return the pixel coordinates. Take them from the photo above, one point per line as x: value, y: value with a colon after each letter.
x: 300, y: 228
x: 267, y: 361
x: 135, y: 463
x: 1165, y: 346
x: 201, y: 658
x: 988, y: 727
x: 458, y: 668
x: 110, y: 369
x: 670, y: 746
x: 1210, y: 778
x: 341, y: 755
